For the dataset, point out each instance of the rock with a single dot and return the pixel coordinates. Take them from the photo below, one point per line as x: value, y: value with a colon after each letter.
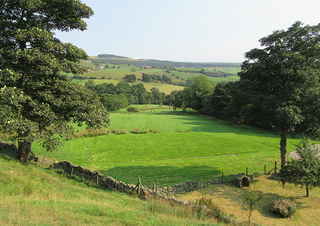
x: 241, y: 180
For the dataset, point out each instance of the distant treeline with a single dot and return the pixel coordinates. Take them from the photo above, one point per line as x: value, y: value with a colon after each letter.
x: 159, y: 63
x: 121, y: 95
x: 219, y: 74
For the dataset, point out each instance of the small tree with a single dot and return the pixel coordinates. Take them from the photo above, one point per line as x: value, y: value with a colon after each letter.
x: 251, y: 200
x: 305, y: 169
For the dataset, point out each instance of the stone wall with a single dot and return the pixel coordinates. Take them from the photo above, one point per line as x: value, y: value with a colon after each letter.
x: 110, y: 182
x: 96, y: 177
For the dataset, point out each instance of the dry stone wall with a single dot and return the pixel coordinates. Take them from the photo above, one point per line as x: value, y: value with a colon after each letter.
x: 112, y: 183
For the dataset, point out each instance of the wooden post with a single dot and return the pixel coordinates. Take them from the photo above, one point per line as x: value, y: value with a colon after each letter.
x: 155, y: 189
x: 97, y: 179
x: 115, y: 184
x: 222, y: 179
x: 168, y: 191
x: 139, y: 185
x: 247, y: 171
x: 275, y: 167
x: 265, y: 169
x: 71, y: 171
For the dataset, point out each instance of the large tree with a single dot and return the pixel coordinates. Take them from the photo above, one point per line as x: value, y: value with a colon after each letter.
x: 280, y: 83
x: 37, y: 98
x: 198, y: 93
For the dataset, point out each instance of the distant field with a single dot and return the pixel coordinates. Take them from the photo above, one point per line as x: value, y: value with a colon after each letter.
x: 231, y: 70
x: 227, y: 79
x: 116, y: 74
x: 189, y: 147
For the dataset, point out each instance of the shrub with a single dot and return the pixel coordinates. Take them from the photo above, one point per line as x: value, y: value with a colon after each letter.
x: 154, y: 131
x: 283, y: 207
x: 133, y: 109
x: 135, y: 130
x: 122, y: 131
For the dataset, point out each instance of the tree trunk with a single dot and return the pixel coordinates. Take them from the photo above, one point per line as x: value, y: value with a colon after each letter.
x: 24, y: 150
x: 283, y: 148
x: 307, y: 190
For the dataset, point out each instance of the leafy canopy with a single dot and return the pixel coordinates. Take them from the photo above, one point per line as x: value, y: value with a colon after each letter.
x: 303, y: 170
x: 280, y: 83
x: 37, y: 97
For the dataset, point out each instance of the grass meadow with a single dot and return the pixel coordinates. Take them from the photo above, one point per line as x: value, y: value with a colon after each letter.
x: 36, y: 195
x: 189, y: 147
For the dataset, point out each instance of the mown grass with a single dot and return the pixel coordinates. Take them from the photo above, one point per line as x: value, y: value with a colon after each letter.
x: 189, y: 147
x: 33, y: 195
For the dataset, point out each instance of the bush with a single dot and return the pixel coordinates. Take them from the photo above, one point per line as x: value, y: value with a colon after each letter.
x: 283, y: 207
x: 133, y: 109
x: 122, y: 131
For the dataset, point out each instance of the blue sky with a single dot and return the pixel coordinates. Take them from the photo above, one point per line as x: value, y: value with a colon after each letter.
x: 186, y: 30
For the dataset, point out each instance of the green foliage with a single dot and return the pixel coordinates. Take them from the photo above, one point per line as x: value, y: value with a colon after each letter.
x: 251, y: 200
x: 133, y: 109
x: 197, y: 94
x: 305, y: 170
x: 114, y: 102
x: 279, y: 83
x: 37, y: 97
x: 283, y: 207
x: 130, y: 78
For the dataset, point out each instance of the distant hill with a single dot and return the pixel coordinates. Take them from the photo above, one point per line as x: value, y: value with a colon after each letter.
x: 111, y: 56
x: 114, y: 59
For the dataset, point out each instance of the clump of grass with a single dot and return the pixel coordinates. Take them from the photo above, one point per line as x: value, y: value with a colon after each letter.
x: 144, y: 131
x: 89, y: 133
x: 121, y: 131
x: 206, y: 208
x: 161, y: 206
x: 182, y: 131
x: 154, y: 131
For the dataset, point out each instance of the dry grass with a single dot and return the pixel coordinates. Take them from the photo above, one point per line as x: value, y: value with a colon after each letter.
x: 230, y: 199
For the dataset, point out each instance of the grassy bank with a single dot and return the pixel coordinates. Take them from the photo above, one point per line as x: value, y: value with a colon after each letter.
x: 33, y: 195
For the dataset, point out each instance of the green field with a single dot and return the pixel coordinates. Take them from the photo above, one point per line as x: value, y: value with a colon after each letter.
x: 114, y: 75
x: 189, y: 147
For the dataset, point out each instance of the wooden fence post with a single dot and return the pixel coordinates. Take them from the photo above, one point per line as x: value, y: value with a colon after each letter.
x: 71, y: 171
x: 265, y: 169
x: 275, y: 167
x: 139, y: 182
x: 168, y: 191
x: 97, y: 179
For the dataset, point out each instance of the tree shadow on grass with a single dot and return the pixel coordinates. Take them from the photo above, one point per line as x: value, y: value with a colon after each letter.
x: 8, y: 155
x: 162, y: 175
x: 204, y: 123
